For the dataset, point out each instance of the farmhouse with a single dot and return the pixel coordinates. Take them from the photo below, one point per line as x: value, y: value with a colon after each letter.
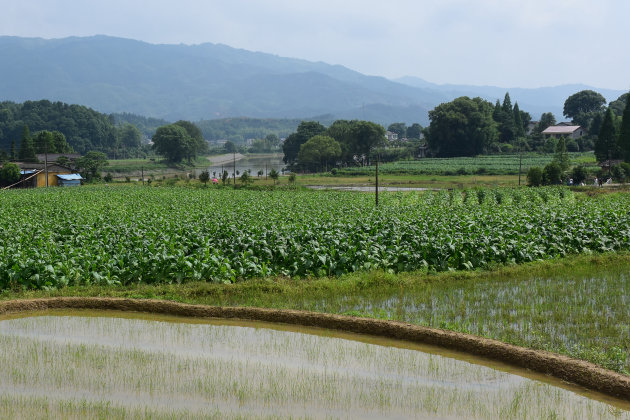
x: 391, y: 136
x: 570, y: 131
x: 34, y: 176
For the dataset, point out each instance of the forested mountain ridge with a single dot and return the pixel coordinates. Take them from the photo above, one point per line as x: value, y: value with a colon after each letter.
x: 211, y: 81
x: 114, y: 75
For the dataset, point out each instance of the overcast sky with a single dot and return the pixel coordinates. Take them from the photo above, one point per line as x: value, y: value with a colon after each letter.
x: 507, y: 43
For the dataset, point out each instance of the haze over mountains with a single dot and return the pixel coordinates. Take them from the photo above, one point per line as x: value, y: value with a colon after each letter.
x: 211, y: 81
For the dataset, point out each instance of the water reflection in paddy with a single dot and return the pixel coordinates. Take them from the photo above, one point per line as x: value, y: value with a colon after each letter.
x: 119, y: 367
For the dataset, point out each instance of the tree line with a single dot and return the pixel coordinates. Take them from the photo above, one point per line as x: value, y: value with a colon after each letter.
x: 314, y: 147
x: 83, y: 128
x: 472, y: 126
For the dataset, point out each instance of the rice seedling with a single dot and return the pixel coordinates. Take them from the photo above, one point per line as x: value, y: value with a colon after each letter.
x: 74, y: 366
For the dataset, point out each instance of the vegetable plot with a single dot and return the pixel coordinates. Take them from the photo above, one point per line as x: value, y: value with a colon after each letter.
x: 103, y: 235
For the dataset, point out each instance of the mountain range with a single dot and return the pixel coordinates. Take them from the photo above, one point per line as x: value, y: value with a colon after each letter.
x: 210, y: 81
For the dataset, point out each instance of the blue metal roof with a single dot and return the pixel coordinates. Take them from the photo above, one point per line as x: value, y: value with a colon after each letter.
x: 70, y: 177
x: 27, y: 172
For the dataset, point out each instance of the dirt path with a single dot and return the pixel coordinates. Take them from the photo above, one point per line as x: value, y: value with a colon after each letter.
x: 580, y: 372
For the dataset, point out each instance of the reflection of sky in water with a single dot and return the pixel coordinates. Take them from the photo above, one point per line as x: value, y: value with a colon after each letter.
x: 313, y: 369
x: 254, y: 164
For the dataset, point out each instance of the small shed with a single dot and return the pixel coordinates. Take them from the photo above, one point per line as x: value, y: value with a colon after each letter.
x: 69, y: 180
x: 34, y: 174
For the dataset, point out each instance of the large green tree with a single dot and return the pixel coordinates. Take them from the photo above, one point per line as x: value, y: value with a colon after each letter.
x: 305, y: 131
x: 91, y: 165
x: 9, y: 174
x: 462, y: 127
x: 198, y: 144
x: 414, y: 131
x: 173, y: 142
x: 129, y: 136
x: 619, y: 104
x: 582, y: 106
x: 624, y: 134
x: 606, y: 146
x: 319, y: 153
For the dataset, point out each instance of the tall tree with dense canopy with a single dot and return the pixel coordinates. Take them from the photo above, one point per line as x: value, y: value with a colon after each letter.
x: 462, y: 127
x: 91, y: 165
x: 582, y: 106
x: 173, y: 142
x: 197, y: 144
x: 305, y: 131
x: 319, y: 153
x: 606, y: 147
x: 624, y: 134
x: 519, y: 129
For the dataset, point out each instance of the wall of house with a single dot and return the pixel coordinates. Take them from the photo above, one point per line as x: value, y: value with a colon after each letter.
x: 52, y: 179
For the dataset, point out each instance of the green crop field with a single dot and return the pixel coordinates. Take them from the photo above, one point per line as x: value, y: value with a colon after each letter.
x: 488, y: 164
x: 116, y: 235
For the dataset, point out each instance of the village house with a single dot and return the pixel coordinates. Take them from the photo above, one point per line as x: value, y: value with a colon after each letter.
x: 569, y: 131
x: 34, y: 176
x: 391, y: 136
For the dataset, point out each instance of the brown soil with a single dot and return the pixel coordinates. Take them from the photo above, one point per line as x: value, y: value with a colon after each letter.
x: 577, y: 371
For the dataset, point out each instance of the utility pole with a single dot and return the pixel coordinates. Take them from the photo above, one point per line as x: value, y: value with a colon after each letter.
x: 234, y: 173
x: 520, y: 163
x: 377, y: 180
x: 142, y: 169
x: 46, y: 158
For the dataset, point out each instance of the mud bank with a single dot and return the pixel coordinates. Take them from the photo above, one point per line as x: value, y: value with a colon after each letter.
x: 579, y: 372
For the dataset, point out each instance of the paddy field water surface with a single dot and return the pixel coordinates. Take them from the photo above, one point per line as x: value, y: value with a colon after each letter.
x: 75, y: 364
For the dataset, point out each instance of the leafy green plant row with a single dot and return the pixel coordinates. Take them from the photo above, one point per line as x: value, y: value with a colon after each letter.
x: 104, y: 235
x: 490, y: 165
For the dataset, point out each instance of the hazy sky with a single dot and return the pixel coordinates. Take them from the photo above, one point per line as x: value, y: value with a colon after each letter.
x: 508, y: 43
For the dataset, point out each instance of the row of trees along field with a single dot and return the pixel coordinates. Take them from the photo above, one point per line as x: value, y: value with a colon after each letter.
x: 314, y: 147
x: 83, y: 130
x: 472, y: 126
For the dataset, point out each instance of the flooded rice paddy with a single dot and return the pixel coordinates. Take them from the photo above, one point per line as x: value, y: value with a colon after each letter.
x: 91, y: 364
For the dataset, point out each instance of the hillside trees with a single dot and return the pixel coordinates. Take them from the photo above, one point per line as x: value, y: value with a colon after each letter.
x: 83, y: 128
x: 462, y: 127
x: 51, y: 142
x: 27, y: 149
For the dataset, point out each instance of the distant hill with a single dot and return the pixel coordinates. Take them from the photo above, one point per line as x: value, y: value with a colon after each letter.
x: 207, y: 81
x: 213, y: 81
